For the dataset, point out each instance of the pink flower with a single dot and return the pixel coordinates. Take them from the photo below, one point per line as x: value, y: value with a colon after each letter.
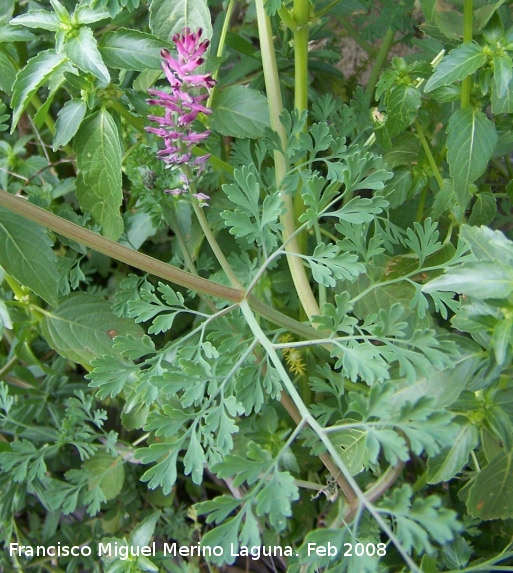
x: 181, y: 107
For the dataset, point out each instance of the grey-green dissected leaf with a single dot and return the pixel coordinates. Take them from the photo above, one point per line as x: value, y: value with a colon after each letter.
x: 82, y: 328
x: 460, y: 63
x: 168, y: 17
x: 491, y: 494
x: 482, y: 280
x: 38, y: 19
x: 69, y: 120
x: 240, y: 112
x: 83, y: 52
x: 131, y: 50
x: 448, y: 463
x: 26, y: 254
x: 98, y: 150
x: 38, y: 69
x: 471, y: 137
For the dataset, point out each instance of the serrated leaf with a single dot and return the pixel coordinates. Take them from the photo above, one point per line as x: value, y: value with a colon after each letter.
x: 82, y: 327
x: 448, y: 463
x: 143, y: 532
x: 402, y: 105
x: 484, y: 209
x: 194, y: 459
x: 37, y: 71
x: 354, y: 452
x: 460, y: 63
x: 471, y: 138
x: 131, y: 50
x: 68, y: 122
x: 240, y: 112
x: 26, y: 254
x: 98, y: 150
x: 168, y: 17
x: 491, y: 494
x: 502, y: 74
x: 164, y: 473
x: 38, y: 19
x: 82, y: 50
x: 275, y: 498
x: 7, y: 73
x: 482, y: 280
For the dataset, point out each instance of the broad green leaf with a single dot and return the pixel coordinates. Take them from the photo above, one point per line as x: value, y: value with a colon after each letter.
x: 402, y: 105
x: 448, y: 463
x: 460, y: 63
x: 26, y: 254
x: 240, y: 112
x: 471, y: 137
x: 484, y: 209
x: 142, y: 534
x: 131, y: 50
x: 84, y: 14
x: 487, y: 245
x: 483, y: 280
x: 82, y: 328
x: 83, y: 52
x: 38, y: 70
x: 491, y: 494
x: 354, y: 452
x: 38, y: 19
x: 7, y: 73
x: 168, y: 17
x: 5, y: 319
x: 503, y: 104
x: 10, y: 33
x: 69, y: 120
x: 444, y: 385
x: 502, y: 74
x: 98, y: 150
x: 107, y: 473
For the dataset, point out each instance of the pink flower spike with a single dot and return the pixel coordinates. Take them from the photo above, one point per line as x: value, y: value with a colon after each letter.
x: 175, y: 192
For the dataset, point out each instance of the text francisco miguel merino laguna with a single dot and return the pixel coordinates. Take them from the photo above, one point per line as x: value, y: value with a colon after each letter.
x: 124, y: 552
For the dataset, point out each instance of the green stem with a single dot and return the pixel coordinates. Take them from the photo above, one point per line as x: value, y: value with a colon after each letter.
x: 429, y: 154
x: 381, y: 59
x: 148, y: 264
x: 275, y: 103
x: 307, y: 418
x: 466, y: 85
x: 220, y: 47
x: 214, y: 245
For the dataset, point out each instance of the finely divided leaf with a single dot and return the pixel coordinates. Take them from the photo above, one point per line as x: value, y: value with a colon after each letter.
x: 98, y: 150
x: 26, y: 254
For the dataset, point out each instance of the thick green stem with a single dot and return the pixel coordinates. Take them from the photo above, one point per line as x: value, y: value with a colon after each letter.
x: 429, y: 155
x: 149, y: 264
x: 220, y: 47
x: 381, y: 59
x: 272, y: 84
x: 466, y: 85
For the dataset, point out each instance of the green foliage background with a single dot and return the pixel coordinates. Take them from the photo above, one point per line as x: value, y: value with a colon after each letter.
x: 321, y: 354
